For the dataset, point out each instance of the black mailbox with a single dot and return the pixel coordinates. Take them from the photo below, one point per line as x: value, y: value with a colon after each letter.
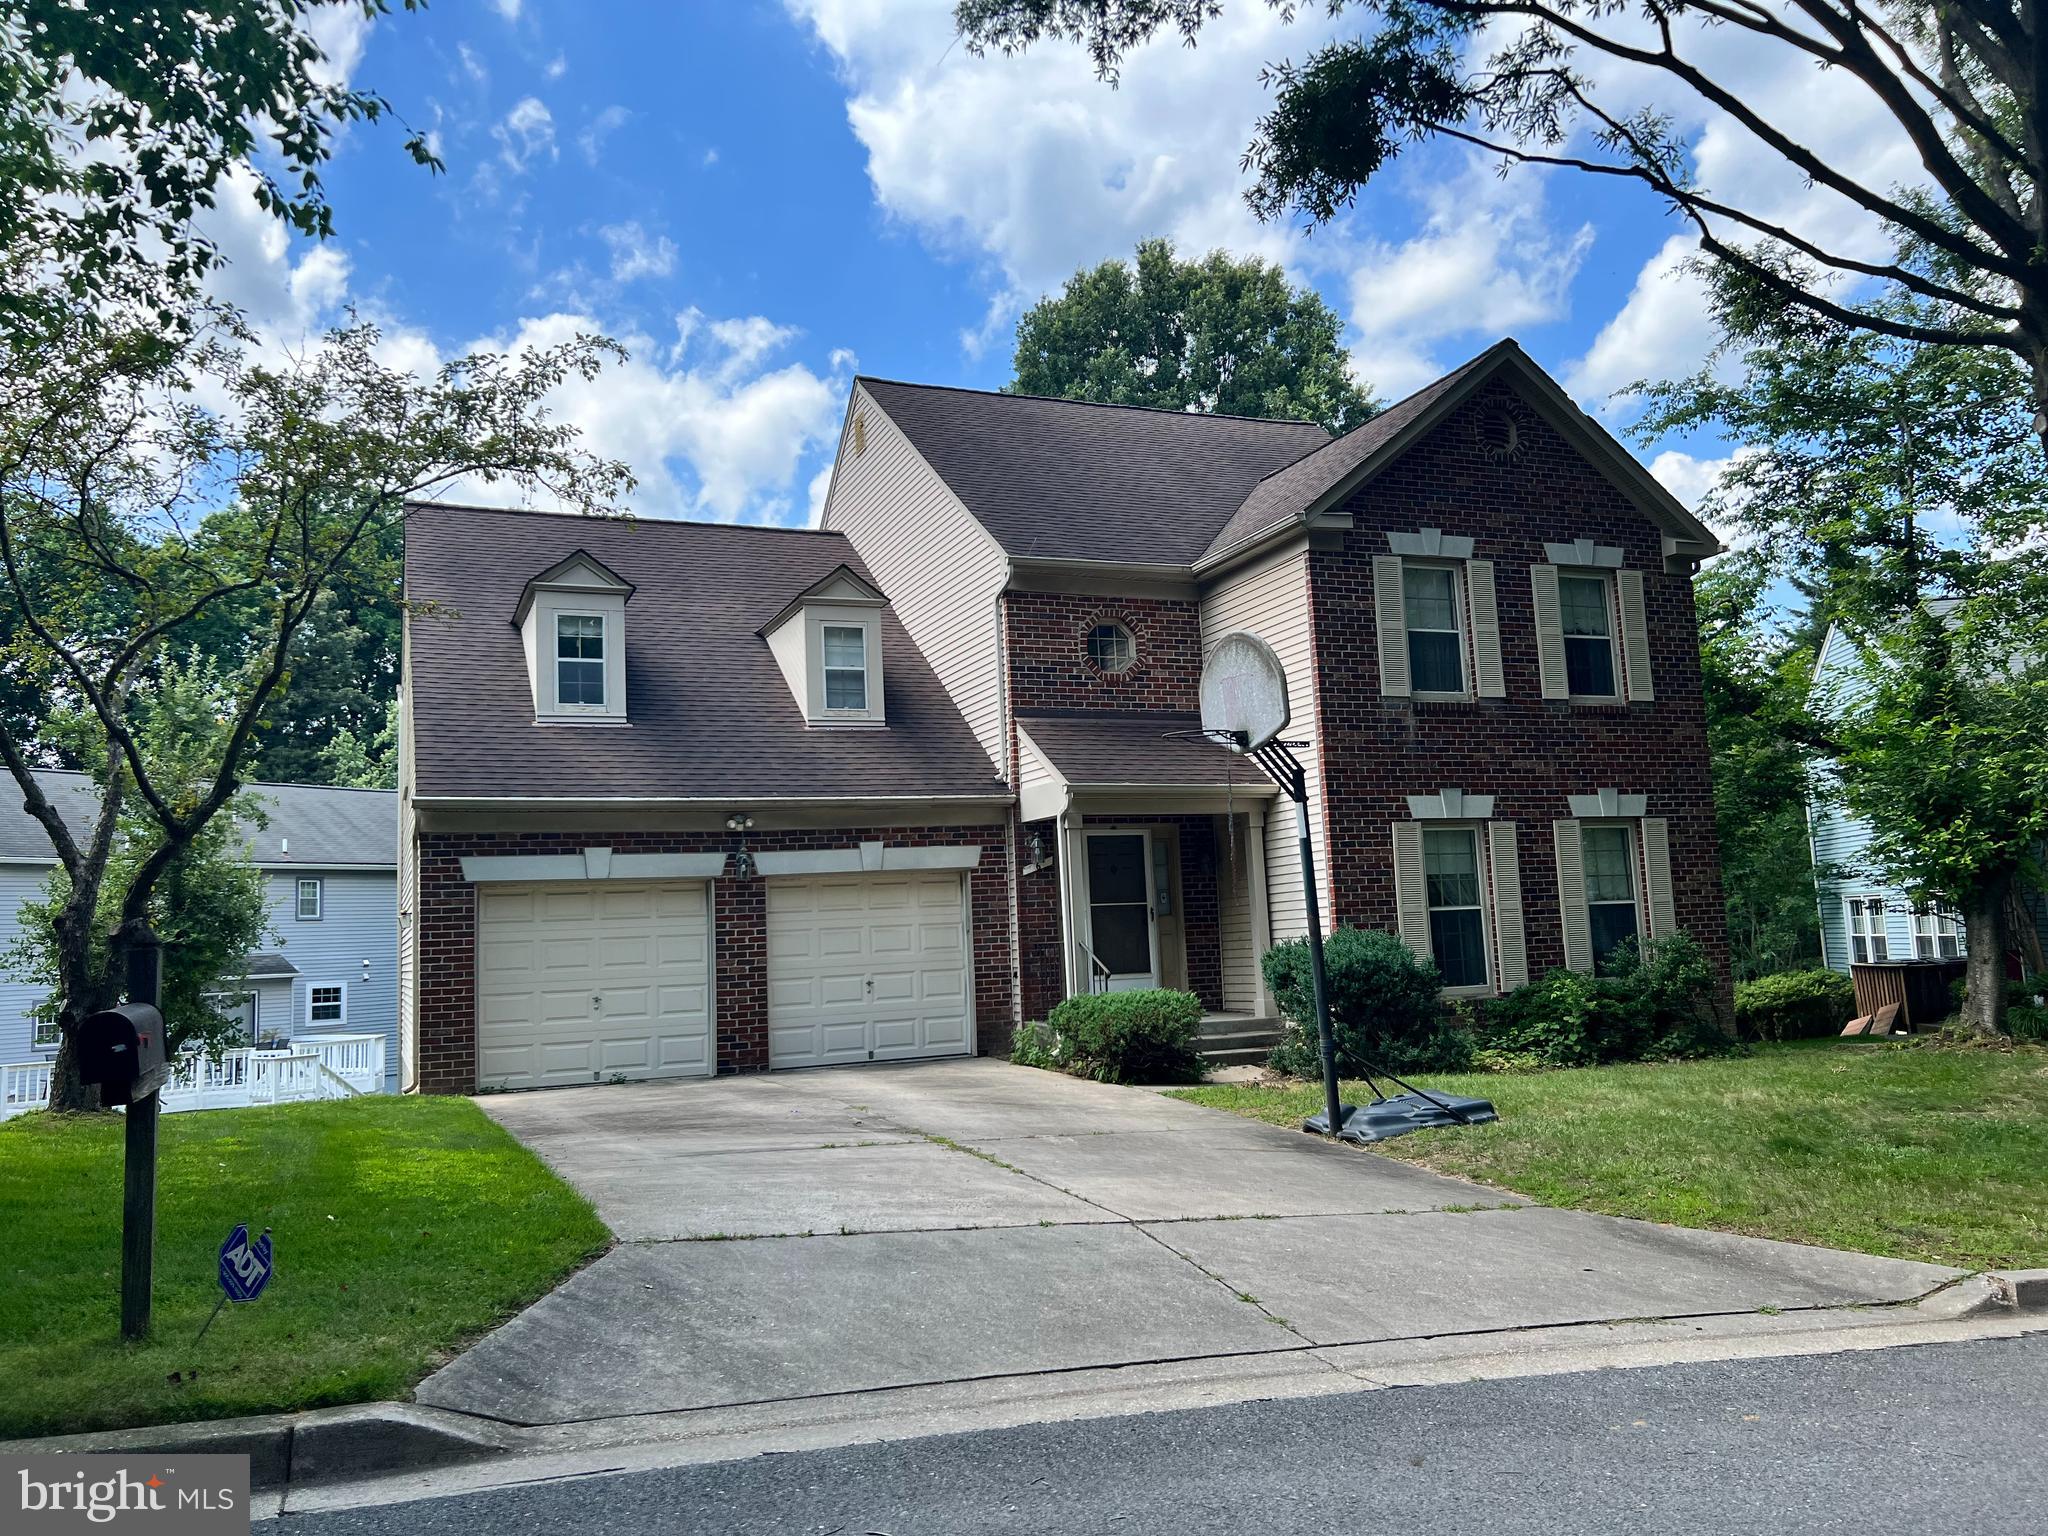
x: 122, y: 1050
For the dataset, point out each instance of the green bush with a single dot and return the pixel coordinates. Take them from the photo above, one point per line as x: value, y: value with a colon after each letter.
x: 1652, y: 1005
x: 2026, y: 1010
x: 1386, y: 1007
x: 1794, y: 1005
x: 1118, y: 1037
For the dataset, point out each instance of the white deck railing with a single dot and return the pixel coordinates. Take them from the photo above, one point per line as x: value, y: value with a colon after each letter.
x: 310, y: 1067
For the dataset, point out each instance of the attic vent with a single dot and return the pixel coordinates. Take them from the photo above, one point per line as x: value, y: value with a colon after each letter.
x: 860, y: 434
x: 1499, y: 433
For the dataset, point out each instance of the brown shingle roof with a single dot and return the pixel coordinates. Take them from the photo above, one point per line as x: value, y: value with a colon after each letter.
x: 1101, y: 748
x: 1061, y: 479
x: 710, y: 713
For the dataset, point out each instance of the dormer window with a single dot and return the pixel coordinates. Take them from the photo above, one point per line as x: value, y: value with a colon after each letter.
x: 572, y: 627
x: 828, y: 642
x: 846, y: 666
x: 579, y: 660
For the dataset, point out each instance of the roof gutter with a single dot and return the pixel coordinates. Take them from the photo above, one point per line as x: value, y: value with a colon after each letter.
x: 687, y: 802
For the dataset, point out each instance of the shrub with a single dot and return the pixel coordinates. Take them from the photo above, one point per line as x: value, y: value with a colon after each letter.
x: 1386, y: 1007
x: 1653, y: 1005
x: 1794, y: 1005
x: 1118, y: 1037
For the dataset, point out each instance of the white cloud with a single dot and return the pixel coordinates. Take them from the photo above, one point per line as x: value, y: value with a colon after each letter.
x: 471, y: 64
x: 1484, y: 262
x: 636, y: 253
x: 1662, y: 330
x: 601, y: 127
x: 557, y: 67
x: 526, y: 134
x: 509, y: 9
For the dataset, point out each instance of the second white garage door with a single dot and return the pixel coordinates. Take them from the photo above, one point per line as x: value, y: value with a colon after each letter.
x: 585, y: 983
x: 867, y: 968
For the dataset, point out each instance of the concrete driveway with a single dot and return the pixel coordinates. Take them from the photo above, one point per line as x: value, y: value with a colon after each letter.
x: 852, y: 1229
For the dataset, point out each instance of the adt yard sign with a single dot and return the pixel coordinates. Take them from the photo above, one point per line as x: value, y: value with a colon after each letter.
x: 244, y: 1266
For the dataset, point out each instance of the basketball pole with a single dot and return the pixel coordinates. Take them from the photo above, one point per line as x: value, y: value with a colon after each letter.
x: 1283, y: 766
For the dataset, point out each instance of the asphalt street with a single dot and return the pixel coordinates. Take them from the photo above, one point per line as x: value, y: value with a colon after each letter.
x: 1948, y: 1437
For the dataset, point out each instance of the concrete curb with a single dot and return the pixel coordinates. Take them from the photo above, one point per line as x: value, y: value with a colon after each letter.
x: 2026, y: 1289
x: 325, y: 1445
x: 1989, y: 1294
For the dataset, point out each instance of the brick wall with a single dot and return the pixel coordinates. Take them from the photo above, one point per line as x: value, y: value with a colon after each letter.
x: 1046, y: 638
x: 447, y: 934
x: 1528, y: 752
x: 1041, y: 972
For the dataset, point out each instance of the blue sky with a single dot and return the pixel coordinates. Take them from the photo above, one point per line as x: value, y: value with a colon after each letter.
x: 764, y: 198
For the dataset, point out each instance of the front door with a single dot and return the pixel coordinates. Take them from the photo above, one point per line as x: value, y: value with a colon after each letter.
x: 1121, y: 927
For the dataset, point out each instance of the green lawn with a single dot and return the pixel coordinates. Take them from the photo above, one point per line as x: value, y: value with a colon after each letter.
x: 1923, y: 1154
x: 402, y: 1227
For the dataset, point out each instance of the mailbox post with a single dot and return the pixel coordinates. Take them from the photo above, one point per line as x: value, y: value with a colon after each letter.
x: 122, y: 1050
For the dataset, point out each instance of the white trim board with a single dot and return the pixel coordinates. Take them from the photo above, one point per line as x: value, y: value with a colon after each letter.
x: 591, y: 864
x: 868, y: 858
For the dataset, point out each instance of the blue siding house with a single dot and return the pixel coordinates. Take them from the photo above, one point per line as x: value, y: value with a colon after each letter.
x: 1862, y: 917
x: 329, y: 857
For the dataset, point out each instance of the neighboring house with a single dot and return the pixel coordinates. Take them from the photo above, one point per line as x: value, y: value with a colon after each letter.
x: 1863, y: 917
x: 681, y: 798
x: 328, y: 857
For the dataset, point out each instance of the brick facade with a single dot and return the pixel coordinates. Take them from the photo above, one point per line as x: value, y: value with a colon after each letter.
x: 1046, y: 635
x: 447, y: 934
x: 1527, y: 751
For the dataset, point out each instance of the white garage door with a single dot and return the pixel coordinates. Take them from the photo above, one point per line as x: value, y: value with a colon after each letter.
x: 584, y: 983
x: 867, y: 968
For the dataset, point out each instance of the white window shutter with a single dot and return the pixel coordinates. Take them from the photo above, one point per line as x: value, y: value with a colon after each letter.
x: 1390, y: 610
x: 1657, y: 877
x: 1635, y: 636
x: 1509, y: 939
x: 1486, y: 667
x: 1549, y: 632
x: 1571, y: 896
x: 1411, y: 894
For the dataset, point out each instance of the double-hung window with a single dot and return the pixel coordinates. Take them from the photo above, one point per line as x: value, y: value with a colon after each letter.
x: 327, y: 1005
x: 1867, y: 941
x: 579, y: 660
x: 846, y: 666
x: 1937, y: 935
x: 310, y: 898
x: 1436, y: 642
x: 1612, y: 914
x: 1586, y: 607
x: 1457, y: 911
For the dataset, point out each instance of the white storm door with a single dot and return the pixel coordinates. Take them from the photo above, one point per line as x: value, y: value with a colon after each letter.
x: 867, y: 968
x: 594, y: 981
x: 1122, y: 929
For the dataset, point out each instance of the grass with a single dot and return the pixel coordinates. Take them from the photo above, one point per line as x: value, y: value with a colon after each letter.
x: 403, y: 1227
x: 1916, y: 1153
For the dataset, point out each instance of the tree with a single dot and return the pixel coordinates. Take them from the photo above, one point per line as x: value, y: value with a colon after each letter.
x: 352, y: 762
x: 118, y: 123
x: 209, y: 906
x: 1965, y: 82
x: 1904, y: 481
x: 106, y: 469
x: 1217, y: 335
x: 1755, y: 678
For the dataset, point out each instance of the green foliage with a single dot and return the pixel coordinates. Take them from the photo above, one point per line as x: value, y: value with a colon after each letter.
x: 1145, y: 1036
x: 1652, y: 1005
x: 1754, y: 676
x: 1219, y: 335
x: 1794, y: 1005
x: 118, y: 123
x: 356, y: 764
x: 1386, y: 1007
x: 208, y: 906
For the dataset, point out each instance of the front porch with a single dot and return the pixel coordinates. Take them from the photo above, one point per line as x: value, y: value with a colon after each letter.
x: 1143, y: 864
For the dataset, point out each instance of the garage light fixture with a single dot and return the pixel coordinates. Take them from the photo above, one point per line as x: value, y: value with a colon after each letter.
x: 743, y: 861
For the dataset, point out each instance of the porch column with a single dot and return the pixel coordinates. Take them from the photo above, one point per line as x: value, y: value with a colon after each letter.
x: 1067, y: 870
x: 1261, y: 923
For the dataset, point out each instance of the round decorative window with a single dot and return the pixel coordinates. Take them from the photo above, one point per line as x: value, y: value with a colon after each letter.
x: 1111, y: 648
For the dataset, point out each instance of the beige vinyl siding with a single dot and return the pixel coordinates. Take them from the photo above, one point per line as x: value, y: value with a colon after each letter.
x: 940, y: 571
x: 408, y: 880
x: 1234, y: 915
x: 1032, y: 768
x: 1270, y: 599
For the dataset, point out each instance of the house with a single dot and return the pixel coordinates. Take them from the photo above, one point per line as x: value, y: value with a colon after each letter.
x: 329, y: 862
x: 680, y: 798
x: 1863, y: 917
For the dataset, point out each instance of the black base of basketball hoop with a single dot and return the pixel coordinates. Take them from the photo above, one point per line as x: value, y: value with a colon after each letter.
x: 1383, y: 1119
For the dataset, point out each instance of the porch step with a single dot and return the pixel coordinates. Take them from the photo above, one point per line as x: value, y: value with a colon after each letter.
x: 1237, y: 1039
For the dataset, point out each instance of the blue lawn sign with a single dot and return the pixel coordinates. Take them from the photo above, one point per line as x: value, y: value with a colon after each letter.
x: 244, y: 1266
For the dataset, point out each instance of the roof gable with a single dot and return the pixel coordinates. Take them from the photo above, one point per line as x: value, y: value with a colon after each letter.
x: 843, y: 585
x: 1069, y: 480
x: 581, y: 571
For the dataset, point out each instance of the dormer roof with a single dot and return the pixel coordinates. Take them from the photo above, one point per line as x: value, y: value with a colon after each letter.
x: 579, y: 569
x: 842, y: 586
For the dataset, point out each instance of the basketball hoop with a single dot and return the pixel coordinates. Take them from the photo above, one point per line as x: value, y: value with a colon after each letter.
x: 1244, y: 693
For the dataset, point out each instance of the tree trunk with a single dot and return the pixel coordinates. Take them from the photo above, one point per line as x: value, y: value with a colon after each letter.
x: 66, y: 1091
x: 1985, y: 932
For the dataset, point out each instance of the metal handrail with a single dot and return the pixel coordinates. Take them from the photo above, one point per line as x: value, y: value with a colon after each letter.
x: 1098, y: 973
